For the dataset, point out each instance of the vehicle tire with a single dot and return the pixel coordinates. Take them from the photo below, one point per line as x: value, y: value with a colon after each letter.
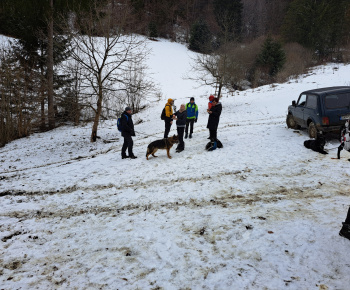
x: 312, y: 130
x: 291, y: 122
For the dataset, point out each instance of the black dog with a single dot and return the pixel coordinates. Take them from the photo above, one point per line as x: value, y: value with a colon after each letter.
x: 316, y: 145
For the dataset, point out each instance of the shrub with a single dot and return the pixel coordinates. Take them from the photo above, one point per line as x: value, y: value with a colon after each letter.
x: 298, y: 60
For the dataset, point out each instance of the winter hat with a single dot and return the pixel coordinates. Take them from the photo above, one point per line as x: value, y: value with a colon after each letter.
x: 211, y: 98
x: 127, y: 109
x: 170, y: 100
x: 192, y: 99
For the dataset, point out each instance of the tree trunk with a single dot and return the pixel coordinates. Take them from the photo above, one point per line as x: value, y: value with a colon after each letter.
x: 42, y: 123
x: 98, y: 114
x: 220, y: 88
x: 42, y: 92
x: 51, y: 111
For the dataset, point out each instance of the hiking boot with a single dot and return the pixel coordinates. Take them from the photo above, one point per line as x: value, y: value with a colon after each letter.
x: 345, y: 231
x: 124, y: 156
x: 186, y: 135
x: 132, y: 157
x: 190, y: 136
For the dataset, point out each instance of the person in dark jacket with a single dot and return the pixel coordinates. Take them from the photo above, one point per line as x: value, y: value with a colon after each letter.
x: 192, y: 116
x: 214, y: 118
x: 345, y: 230
x: 127, y: 129
x: 168, y: 117
x: 181, y: 117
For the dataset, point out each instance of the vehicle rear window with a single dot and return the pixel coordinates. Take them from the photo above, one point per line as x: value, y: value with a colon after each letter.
x: 338, y: 101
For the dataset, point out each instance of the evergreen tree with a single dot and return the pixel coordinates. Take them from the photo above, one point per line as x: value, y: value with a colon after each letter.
x: 228, y: 14
x: 33, y: 23
x: 272, y: 57
x: 322, y: 25
x: 200, y: 37
x: 153, y: 31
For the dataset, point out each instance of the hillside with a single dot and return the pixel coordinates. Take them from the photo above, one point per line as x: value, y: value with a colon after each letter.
x: 262, y: 212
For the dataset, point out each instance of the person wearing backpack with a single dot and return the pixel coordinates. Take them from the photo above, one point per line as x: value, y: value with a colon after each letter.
x: 192, y: 116
x: 127, y: 129
x: 167, y: 116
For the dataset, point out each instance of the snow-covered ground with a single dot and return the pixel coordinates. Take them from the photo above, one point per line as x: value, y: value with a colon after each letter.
x: 263, y: 212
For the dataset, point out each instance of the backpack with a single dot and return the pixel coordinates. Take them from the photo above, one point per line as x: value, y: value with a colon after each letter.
x: 118, y: 123
x: 212, y: 145
x: 162, y: 116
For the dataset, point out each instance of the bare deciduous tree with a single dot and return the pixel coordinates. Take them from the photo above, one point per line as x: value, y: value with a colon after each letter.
x: 209, y: 70
x: 231, y: 66
x: 109, y: 57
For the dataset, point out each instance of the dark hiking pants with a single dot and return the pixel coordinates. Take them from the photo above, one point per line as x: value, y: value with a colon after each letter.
x: 128, y: 143
x: 213, y: 134
x: 180, y: 133
x: 189, y: 122
x: 167, y: 129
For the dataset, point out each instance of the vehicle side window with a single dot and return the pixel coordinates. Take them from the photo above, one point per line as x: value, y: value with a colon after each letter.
x: 311, y: 102
x: 302, y: 100
x: 338, y: 101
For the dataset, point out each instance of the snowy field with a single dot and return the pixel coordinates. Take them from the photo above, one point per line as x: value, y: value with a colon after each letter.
x: 263, y: 212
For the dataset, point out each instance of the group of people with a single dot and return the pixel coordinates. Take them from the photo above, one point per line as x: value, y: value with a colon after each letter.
x: 185, y: 118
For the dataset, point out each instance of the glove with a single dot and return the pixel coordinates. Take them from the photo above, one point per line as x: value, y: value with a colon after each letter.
x: 195, y: 120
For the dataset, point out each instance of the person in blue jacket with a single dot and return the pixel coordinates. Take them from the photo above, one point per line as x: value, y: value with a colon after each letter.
x: 127, y: 129
x: 192, y: 116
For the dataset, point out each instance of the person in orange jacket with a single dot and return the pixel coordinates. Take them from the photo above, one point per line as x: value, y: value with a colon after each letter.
x: 210, y: 104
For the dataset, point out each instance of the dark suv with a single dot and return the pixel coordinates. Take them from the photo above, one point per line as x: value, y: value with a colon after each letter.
x: 320, y: 110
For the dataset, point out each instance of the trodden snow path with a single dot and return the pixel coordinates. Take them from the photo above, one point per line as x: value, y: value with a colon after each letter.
x: 232, y: 218
x: 262, y: 212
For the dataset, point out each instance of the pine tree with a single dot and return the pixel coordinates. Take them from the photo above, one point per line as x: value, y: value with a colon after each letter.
x: 200, y: 37
x: 272, y: 57
x: 34, y: 24
x: 321, y: 25
x: 153, y: 31
x: 228, y: 14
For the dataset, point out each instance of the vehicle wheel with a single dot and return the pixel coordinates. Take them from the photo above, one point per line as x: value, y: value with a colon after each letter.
x: 312, y: 130
x: 291, y: 122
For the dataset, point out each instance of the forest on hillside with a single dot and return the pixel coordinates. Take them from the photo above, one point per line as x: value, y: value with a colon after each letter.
x: 74, y: 61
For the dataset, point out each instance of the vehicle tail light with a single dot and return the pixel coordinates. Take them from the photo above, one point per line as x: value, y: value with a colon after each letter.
x: 325, y: 121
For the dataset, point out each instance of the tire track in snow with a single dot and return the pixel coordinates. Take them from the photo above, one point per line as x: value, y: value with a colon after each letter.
x: 149, y: 183
x: 228, y: 200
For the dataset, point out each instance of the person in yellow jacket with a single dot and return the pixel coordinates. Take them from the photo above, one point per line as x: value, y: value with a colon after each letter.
x: 169, y: 115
